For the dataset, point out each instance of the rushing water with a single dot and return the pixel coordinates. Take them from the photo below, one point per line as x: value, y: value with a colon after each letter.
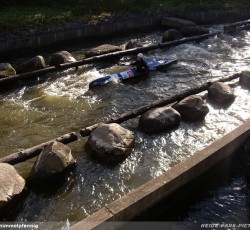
x: 63, y: 104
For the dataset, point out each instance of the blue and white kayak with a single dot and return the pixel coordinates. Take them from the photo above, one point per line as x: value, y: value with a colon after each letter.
x: 132, y: 73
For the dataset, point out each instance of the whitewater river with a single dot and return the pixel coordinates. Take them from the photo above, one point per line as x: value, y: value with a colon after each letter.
x: 63, y: 104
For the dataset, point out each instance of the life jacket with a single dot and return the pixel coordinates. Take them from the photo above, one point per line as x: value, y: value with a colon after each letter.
x: 141, y: 65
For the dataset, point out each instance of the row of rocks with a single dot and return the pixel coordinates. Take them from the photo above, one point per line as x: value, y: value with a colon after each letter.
x: 110, y: 143
x: 192, y: 108
x: 56, y: 59
x: 61, y: 57
x: 35, y: 63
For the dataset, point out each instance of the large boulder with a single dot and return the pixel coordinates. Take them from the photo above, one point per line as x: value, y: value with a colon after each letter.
x: 60, y: 58
x: 103, y: 49
x: 192, y: 108
x: 159, y: 120
x: 110, y: 143
x: 176, y: 23
x: 171, y: 35
x: 131, y: 44
x: 245, y: 79
x: 51, y: 164
x: 220, y: 93
x: 193, y: 30
x: 35, y: 63
x: 12, y: 186
x: 6, y: 70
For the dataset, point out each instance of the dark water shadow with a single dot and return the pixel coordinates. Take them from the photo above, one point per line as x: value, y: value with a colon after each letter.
x: 37, y: 199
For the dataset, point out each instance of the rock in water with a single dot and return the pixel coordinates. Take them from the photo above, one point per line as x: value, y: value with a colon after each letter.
x: 192, y: 108
x: 12, y: 185
x: 221, y: 93
x: 33, y: 64
x: 61, y: 58
x: 171, y: 35
x: 110, y: 143
x: 159, y: 120
x: 245, y: 79
x: 103, y: 49
x: 6, y: 70
x: 51, y: 164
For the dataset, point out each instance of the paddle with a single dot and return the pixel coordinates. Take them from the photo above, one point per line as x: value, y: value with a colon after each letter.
x: 124, y: 63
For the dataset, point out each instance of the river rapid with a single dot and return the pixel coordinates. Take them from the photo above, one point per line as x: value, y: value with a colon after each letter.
x: 62, y: 104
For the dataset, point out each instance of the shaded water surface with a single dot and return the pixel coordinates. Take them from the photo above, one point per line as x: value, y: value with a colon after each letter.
x: 38, y: 113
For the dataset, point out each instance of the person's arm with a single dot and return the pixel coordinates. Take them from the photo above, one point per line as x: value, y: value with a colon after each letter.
x: 145, y: 65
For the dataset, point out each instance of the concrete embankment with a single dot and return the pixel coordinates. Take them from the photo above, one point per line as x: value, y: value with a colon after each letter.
x: 42, y: 37
x: 149, y: 194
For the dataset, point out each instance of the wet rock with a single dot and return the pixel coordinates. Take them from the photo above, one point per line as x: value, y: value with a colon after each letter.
x: 245, y: 79
x: 176, y: 23
x: 171, y: 35
x: 61, y: 58
x: 12, y: 185
x: 132, y: 44
x: 192, y: 108
x: 35, y: 63
x: 103, y: 49
x: 110, y: 143
x: 220, y: 93
x: 159, y: 120
x: 6, y: 70
x: 51, y: 164
x: 193, y: 30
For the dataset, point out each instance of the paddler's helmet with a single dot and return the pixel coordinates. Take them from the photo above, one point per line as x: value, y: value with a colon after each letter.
x: 140, y: 55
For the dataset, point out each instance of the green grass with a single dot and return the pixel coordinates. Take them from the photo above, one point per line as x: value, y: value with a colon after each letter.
x: 44, y: 12
x: 17, y: 17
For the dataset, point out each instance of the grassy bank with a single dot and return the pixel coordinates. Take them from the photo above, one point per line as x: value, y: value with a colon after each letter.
x: 18, y: 14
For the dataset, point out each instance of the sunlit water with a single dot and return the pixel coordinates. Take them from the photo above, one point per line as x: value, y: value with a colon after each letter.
x: 60, y: 105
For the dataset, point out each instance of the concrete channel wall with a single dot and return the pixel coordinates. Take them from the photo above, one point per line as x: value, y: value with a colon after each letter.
x: 43, y: 37
x: 126, y: 208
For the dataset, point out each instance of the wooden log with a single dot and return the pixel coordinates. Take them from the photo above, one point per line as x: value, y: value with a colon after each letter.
x: 8, y: 81
x: 36, y: 150
x: 233, y: 26
x: 242, y: 23
x: 189, y: 39
x: 159, y: 103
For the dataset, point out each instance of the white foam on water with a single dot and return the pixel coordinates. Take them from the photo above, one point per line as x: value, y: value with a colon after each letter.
x: 72, y: 86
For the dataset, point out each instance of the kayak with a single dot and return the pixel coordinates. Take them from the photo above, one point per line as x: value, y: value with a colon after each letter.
x: 132, y: 73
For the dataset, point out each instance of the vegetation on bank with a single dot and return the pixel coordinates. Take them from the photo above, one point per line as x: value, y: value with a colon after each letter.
x: 17, y: 14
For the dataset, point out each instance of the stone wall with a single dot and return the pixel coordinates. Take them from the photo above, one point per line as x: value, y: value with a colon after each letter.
x: 207, y: 17
x: 54, y: 34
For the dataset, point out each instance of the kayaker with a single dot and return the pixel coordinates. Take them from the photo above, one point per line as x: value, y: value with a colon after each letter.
x: 140, y: 63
